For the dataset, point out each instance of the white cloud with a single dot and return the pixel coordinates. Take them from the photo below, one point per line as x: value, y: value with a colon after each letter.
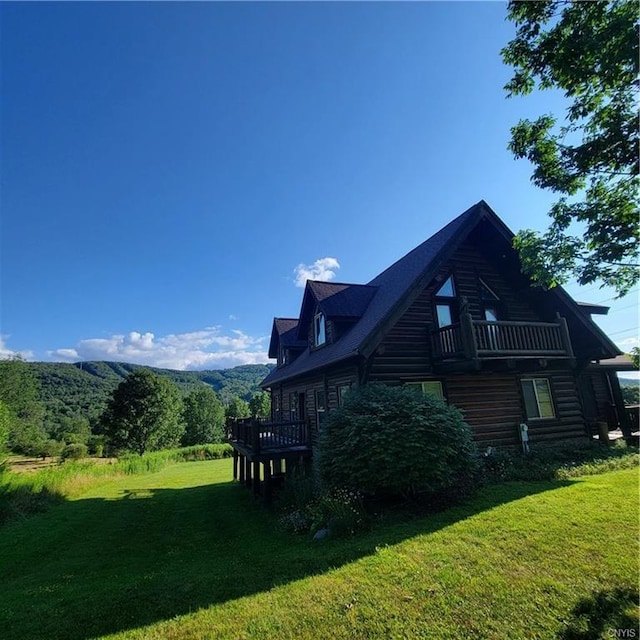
x: 205, y: 349
x: 5, y: 352
x: 626, y: 344
x: 321, y: 269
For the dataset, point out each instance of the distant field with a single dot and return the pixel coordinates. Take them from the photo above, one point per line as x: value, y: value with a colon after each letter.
x: 185, y: 553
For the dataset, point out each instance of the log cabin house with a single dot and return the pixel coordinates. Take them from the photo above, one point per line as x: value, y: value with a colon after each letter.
x: 455, y: 317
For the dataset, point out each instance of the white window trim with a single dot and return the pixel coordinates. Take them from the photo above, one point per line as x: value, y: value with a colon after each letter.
x: 319, y: 317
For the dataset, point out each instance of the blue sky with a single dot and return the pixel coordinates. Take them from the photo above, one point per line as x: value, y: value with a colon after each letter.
x: 166, y: 167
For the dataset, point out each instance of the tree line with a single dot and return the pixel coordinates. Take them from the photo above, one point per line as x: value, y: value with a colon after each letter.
x: 145, y: 412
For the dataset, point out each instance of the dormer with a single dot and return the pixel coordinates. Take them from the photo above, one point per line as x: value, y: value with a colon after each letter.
x: 285, y: 346
x: 330, y: 309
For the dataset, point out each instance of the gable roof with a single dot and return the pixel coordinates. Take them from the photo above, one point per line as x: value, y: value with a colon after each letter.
x: 336, y: 300
x: 393, y: 291
x: 391, y: 285
x: 284, y: 333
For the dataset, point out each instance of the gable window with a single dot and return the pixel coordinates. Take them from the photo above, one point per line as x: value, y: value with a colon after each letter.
x: 538, y: 402
x: 445, y: 299
x: 432, y: 387
x: 491, y: 304
x: 319, y: 330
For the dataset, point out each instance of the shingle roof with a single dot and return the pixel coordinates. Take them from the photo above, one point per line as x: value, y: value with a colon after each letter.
x: 285, y: 333
x: 391, y: 286
x: 339, y: 300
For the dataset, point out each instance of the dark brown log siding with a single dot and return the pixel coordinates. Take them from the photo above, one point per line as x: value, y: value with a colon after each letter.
x: 405, y: 352
x: 329, y: 382
x: 491, y: 405
x: 494, y: 408
x: 468, y: 265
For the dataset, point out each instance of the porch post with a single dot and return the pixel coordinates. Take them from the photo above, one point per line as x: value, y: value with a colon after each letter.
x: 247, y: 471
x: 267, y: 481
x: 468, y: 338
x: 256, y: 477
x: 566, y: 338
x: 241, y: 476
x: 618, y: 400
x: 235, y: 464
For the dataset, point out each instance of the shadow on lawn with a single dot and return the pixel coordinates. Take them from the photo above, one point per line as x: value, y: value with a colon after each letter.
x: 96, y: 566
x: 606, y: 614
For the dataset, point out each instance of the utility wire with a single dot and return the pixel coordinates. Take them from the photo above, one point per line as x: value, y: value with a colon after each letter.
x: 615, y: 333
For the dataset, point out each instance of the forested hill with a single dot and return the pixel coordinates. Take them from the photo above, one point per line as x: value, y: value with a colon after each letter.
x: 83, y: 388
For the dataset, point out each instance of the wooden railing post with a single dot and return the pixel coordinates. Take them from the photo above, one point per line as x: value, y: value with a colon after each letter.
x: 255, y: 435
x: 468, y: 337
x: 566, y: 338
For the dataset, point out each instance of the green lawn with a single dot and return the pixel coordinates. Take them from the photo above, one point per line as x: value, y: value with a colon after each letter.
x: 184, y: 553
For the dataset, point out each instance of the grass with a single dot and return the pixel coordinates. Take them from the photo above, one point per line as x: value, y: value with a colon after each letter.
x: 184, y: 553
x: 23, y: 494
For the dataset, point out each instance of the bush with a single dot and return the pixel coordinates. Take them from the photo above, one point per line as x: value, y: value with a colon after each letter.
x: 559, y: 462
x: 306, y: 508
x: 74, y: 451
x: 391, y: 441
x: 95, y: 446
x: 340, y: 511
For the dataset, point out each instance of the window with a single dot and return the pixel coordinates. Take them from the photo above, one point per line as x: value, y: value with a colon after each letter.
x: 276, y: 405
x: 343, y: 390
x: 433, y: 387
x: 319, y: 330
x: 492, y: 307
x: 293, y: 406
x: 320, y: 408
x: 538, y: 402
x: 447, y: 290
x: 445, y: 298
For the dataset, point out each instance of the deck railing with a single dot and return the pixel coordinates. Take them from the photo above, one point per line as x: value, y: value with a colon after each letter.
x: 261, y: 436
x: 471, y: 338
x: 633, y: 416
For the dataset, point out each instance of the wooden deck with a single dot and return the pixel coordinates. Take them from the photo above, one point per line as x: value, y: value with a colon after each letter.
x: 264, y: 451
x: 262, y: 439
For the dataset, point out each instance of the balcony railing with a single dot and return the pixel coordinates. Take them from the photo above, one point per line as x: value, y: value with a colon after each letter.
x: 472, y: 339
x: 259, y: 436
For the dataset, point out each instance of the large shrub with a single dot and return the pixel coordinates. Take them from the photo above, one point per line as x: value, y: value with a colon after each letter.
x: 396, y: 441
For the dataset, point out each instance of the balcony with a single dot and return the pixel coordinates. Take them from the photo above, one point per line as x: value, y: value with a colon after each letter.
x: 479, y: 341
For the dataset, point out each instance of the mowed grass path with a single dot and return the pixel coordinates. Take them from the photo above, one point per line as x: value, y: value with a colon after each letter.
x: 184, y: 553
